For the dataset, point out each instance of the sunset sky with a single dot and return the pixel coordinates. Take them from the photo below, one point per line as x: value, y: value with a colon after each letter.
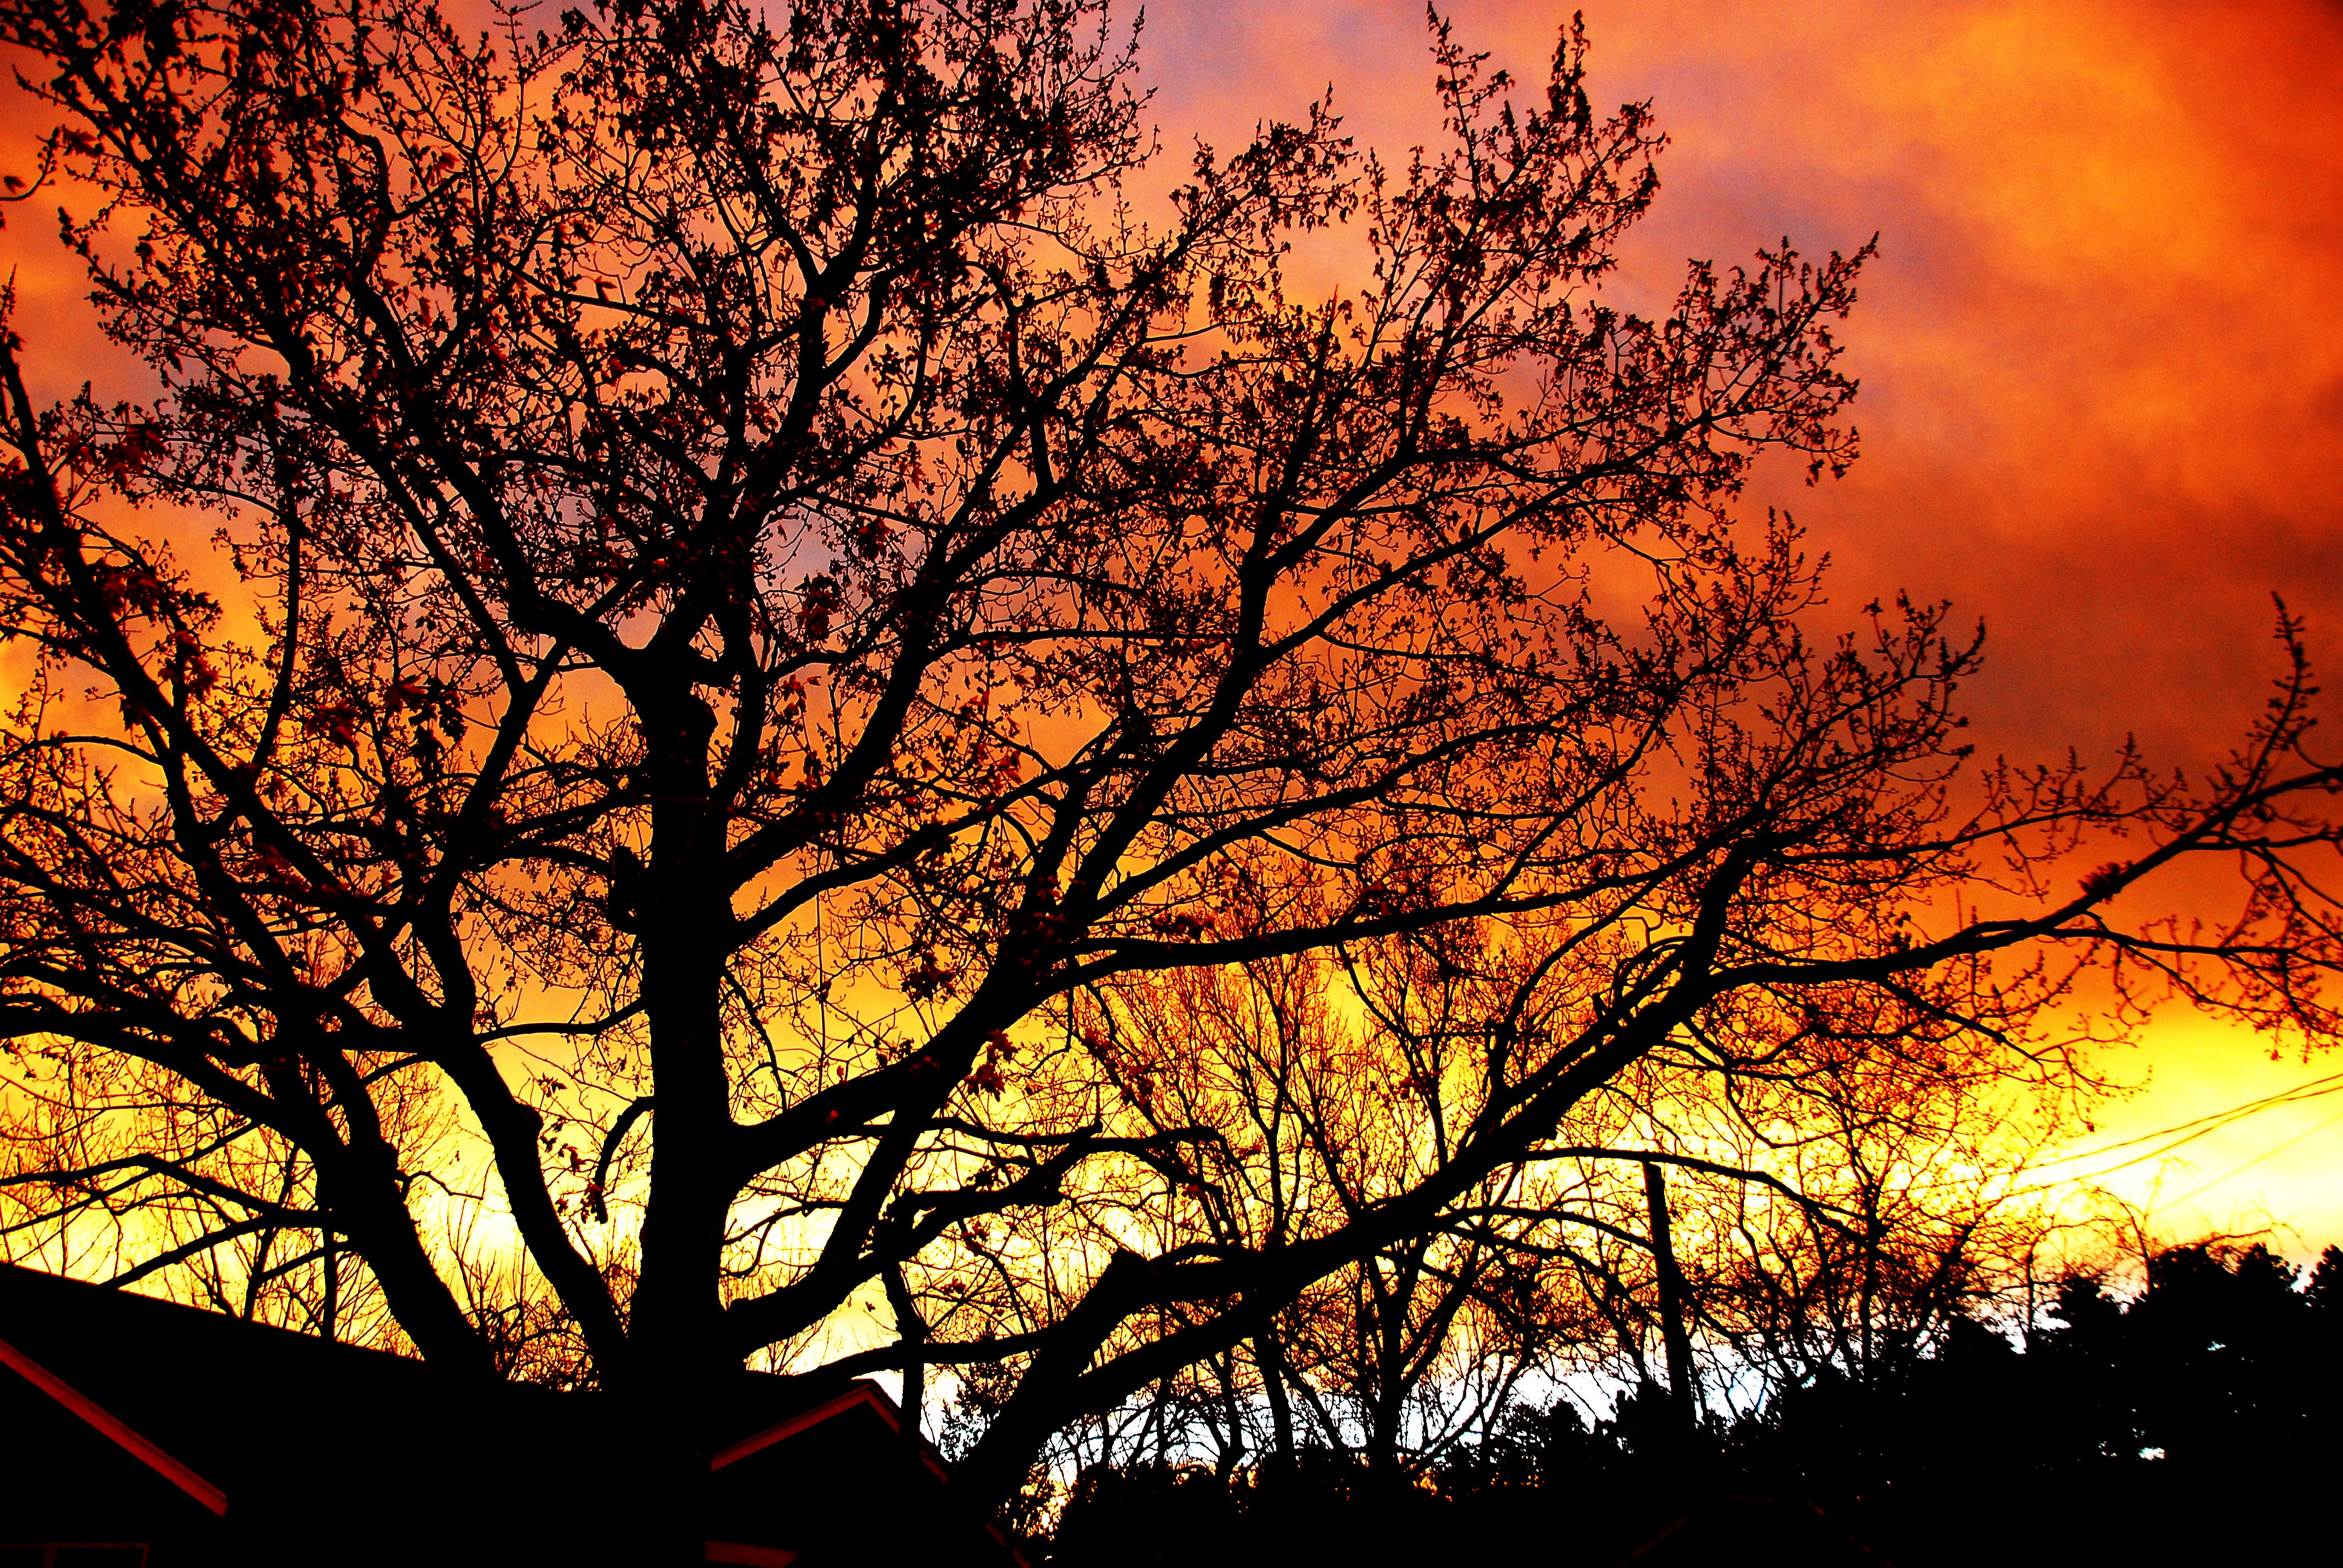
x: 2101, y: 354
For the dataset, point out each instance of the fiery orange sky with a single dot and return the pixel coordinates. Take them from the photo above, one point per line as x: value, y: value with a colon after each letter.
x: 2101, y: 353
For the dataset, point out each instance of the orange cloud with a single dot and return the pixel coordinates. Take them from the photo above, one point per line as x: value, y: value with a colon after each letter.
x: 2102, y: 351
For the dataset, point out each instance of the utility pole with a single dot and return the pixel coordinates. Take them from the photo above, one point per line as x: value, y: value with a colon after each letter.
x: 1683, y: 1396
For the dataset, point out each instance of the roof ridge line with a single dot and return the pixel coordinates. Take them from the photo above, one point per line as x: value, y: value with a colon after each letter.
x: 125, y: 1436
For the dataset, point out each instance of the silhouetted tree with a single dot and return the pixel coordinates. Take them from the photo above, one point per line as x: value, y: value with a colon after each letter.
x: 1931, y: 1453
x: 754, y: 581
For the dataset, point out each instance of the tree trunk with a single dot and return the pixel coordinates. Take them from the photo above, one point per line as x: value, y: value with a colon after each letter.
x: 912, y: 1329
x: 675, y: 1360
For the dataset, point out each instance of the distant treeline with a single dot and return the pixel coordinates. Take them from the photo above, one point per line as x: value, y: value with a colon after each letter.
x: 2196, y: 1421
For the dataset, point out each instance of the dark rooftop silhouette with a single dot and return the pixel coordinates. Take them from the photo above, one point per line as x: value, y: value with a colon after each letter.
x: 182, y: 1437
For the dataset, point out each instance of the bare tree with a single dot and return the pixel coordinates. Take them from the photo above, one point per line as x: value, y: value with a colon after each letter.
x: 1823, y: 1204
x: 1295, y: 1116
x: 752, y: 581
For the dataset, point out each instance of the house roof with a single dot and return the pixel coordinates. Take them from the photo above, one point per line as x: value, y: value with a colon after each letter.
x: 262, y: 1426
x: 227, y: 1410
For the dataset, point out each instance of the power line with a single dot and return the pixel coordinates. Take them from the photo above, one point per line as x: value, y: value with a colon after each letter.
x: 2315, y: 1089
x: 2190, y: 1131
x: 2249, y: 1164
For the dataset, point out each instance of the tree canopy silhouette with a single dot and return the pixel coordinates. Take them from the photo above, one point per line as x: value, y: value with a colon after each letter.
x: 771, y: 580
x: 2210, y: 1384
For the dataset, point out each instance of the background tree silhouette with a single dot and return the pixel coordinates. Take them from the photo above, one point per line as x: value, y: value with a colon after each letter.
x: 1915, y: 1455
x: 761, y: 580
